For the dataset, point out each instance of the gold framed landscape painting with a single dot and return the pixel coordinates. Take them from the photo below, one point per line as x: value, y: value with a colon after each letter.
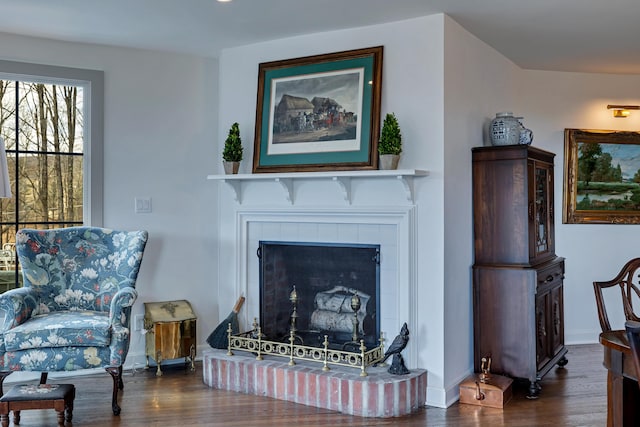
x: 601, y: 177
x: 319, y: 113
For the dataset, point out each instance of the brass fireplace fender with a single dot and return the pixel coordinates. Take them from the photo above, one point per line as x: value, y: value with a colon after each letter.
x: 291, y: 350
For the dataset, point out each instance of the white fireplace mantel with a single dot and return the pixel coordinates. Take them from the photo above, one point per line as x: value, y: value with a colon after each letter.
x: 391, y: 227
x: 341, y: 178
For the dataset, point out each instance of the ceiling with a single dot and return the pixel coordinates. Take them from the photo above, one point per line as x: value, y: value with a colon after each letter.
x: 561, y: 35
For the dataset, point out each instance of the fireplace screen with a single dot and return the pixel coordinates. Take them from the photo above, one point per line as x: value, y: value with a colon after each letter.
x: 326, y: 276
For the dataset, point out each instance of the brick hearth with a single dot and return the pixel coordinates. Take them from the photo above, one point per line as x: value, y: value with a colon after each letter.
x: 342, y: 389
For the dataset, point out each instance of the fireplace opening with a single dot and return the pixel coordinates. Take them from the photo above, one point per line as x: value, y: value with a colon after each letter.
x: 326, y: 277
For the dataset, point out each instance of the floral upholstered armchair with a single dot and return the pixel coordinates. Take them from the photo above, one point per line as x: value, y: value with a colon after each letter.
x: 73, y: 311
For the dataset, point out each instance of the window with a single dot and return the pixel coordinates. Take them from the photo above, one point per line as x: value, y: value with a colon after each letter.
x: 51, y: 123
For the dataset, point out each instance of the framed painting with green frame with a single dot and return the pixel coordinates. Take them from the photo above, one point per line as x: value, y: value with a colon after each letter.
x: 601, y: 177
x: 319, y: 113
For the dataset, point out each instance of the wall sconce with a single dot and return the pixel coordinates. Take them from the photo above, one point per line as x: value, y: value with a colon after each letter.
x: 622, y: 110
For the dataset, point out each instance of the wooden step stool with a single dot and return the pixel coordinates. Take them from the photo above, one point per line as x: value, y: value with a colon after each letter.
x: 43, y: 396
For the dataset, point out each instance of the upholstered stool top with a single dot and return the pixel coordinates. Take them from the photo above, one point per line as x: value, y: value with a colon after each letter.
x: 37, y: 392
x: 43, y: 396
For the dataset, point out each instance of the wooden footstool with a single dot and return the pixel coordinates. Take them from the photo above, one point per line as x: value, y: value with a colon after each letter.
x: 43, y: 396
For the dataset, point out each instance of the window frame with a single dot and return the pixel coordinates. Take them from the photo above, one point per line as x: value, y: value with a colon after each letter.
x: 92, y: 82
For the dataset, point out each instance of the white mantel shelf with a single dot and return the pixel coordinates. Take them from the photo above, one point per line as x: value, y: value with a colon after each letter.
x: 341, y: 178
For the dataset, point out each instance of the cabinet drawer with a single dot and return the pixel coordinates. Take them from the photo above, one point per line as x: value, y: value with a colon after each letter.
x: 550, y: 275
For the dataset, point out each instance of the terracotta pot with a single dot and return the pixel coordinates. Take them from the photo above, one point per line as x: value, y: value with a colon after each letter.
x: 389, y: 161
x: 231, y: 167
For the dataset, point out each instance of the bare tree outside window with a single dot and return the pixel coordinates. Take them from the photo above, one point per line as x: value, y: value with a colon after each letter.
x: 42, y: 126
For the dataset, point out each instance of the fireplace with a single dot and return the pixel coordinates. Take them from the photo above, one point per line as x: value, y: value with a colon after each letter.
x: 392, y: 230
x: 329, y: 280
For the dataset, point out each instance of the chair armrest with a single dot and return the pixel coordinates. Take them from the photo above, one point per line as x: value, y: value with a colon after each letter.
x: 119, y: 310
x: 16, y: 306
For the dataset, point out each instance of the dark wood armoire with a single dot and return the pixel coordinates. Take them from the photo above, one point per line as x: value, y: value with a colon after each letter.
x: 517, y: 277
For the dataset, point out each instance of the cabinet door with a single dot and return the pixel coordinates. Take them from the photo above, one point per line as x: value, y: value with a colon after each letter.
x: 541, y: 228
x: 542, y: 334
x: 556, y: 319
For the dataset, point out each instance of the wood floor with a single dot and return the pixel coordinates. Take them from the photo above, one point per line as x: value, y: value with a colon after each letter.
x: 574, y: 396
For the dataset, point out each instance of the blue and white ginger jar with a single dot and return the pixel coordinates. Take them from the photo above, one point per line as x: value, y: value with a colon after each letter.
x: 508, y: 130
x: 505, y: 129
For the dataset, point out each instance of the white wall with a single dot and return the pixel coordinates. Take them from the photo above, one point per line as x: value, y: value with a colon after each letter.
x: 412, y: 88
x: 553, y: 101
x: 159, y: 141
x: 478, y: 82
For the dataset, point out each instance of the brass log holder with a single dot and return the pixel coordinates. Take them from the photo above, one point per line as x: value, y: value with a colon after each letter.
x: 254, y: 342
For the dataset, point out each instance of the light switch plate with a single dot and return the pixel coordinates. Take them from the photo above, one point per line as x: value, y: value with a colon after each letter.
x: 143, y: 205
x: 138, y: 322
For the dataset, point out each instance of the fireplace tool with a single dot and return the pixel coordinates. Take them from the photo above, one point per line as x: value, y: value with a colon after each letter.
x: 293, y: 297
x: 218, y: 338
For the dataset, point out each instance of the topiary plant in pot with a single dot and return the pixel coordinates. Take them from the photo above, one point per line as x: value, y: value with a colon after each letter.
x: 390, y: 145
x: 232, y: 153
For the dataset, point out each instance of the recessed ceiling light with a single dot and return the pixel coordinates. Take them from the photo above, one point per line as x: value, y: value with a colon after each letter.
x: 225, y: 1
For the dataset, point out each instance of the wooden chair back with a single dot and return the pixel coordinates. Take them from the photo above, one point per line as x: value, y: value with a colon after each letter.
x: 628, y: 282
x: 633, y: 334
